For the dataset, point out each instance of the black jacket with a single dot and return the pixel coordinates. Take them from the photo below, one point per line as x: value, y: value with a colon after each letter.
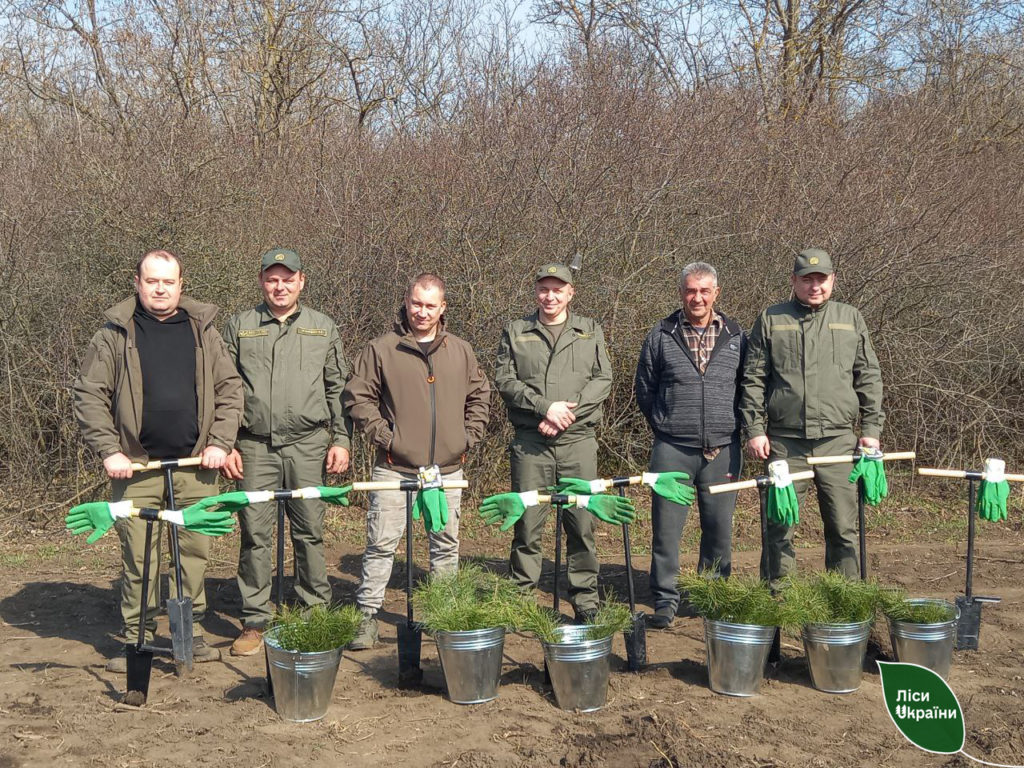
x: 680, y: 404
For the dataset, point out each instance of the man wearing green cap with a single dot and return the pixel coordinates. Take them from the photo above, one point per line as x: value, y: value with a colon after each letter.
x: 553, y: 373
x: 811, y: 380
x: 293, y: 429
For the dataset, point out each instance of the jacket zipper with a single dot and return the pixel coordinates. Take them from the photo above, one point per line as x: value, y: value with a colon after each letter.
x: 433, y: 407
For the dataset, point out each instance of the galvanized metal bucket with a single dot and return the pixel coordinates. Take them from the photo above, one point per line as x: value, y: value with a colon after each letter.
x: 303, y: 682
x: 578, y: 668
x: 930, y: 645
x: 736, y: 656
x: 835, y: 655
x: 471, y: 661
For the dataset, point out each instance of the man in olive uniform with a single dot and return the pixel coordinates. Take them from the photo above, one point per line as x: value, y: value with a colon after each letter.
x: 156, y: 383
x: 294, y: 428
x: 553, y: 373
x: 811, y: 380
x: 419, y: 396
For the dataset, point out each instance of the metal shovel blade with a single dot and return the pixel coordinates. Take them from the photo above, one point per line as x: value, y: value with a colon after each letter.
x: 139, y: 665
x: 410, y: 640
x: 636, y: 643
x: 179, y: 615
x: 968, y: 623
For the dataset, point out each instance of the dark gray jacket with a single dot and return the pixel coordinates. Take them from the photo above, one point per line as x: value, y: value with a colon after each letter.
x: 680, y: 404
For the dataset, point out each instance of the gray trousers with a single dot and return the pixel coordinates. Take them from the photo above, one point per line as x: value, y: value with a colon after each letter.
x: 668, y: 518
x: 385, y: 524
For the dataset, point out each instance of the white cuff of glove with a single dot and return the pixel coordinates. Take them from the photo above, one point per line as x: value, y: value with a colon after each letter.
x: 257, y: 497
x: 649, y: 478
x: 598, y: 486
x: 582, y: 501
x: 310, y: 492
x: 172, y: 516
x: 120, y: 509
x: 779, y: 473
x: 995, y: 470
x: 530, y: 498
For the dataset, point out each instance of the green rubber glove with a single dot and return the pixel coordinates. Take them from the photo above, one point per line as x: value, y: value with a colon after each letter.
x: 432, y: 504
x: 231, y: 502
x: 574, y: 486
x: 992, y: 500
x: 209, y: 522
x: 616, y: 510
x: 870, y: 469
x: 93, y: 517
x: 506, y: 508
x: 672, y: 486
x: 335, y: 495
x: 782, y: 505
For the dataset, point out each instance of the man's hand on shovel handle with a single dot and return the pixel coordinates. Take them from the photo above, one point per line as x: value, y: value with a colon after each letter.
x: 214, y: 457
x: 118, y: 466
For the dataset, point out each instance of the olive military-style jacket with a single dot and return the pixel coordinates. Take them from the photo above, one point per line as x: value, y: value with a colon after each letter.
x: 419, y: 408
x: 108, y: 391
x: 532, y: 374
x: 293, y: 373
x: 811, y: 374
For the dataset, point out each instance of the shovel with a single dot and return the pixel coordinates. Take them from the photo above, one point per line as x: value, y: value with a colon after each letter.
x: 968, y: 627
x: 139, y: 657
x: 179, y: 609
x: 762, y: 484
x: 636, y: 637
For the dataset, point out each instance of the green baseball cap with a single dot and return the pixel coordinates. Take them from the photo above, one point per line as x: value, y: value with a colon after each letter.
x: 284, y: 257
x: 812, y: 260
x: 557, y: 271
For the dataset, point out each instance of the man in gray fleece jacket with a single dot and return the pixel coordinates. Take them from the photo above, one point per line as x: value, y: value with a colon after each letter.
x: 687, y: 382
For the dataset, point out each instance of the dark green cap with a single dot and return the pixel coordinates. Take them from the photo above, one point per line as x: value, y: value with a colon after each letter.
x: 812, y: 260
x: 557, y: 271
x: 282, y: 256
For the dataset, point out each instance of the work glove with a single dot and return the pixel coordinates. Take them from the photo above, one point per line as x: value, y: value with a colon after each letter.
x: 671, y: 486
x: 230, y: 502
x: 433, y: 506
x: 336, y: 495
x: 870, y: 469
x: 781, y: 504
x: 208, y: 522
x: 573, y: 486
x: 617, y: 510
x: 993, y: 491
x: 506, y: 508
x: 93, y: 517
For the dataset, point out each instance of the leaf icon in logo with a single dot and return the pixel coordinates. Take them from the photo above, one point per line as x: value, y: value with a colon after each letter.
x: 923, y: 707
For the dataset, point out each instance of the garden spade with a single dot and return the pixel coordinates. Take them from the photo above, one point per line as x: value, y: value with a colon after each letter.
x: 139, y: 657
x: 636, y: 637
x: 410, y: 634
x: 763, y: 483
x: 968, y: 627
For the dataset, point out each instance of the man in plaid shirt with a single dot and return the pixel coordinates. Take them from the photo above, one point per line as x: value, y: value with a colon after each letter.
x: 687, y: 385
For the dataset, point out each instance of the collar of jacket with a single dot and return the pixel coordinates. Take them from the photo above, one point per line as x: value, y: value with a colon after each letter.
x: 404, y: 332
x: 675, y: 320
x: 121, y: 313
x: 800, y: 308
x: 266, y: 316
x: 533, y: 322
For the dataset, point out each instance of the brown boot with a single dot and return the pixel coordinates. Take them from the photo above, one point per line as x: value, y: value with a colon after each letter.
x: 248, y: 643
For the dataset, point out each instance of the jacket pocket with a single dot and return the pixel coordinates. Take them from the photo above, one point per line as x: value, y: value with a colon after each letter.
x: 844, y: 345
x: 786, y: 342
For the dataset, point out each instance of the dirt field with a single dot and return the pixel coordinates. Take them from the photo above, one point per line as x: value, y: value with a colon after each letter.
x: 59, y: 707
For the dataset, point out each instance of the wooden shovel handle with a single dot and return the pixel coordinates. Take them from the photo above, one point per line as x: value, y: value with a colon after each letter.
x: 807, y: 474
x: 961, y: 474
x: 849, y: 458
x: 190, y: 461
x: 394, y: 485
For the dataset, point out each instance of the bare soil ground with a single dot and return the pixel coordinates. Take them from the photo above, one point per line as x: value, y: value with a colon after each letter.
x: 59, y: 707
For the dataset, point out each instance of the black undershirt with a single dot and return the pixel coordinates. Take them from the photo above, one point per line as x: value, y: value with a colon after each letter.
x: 170, y: 413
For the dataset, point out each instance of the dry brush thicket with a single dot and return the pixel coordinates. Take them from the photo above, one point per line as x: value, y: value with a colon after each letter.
x: 407, y: 137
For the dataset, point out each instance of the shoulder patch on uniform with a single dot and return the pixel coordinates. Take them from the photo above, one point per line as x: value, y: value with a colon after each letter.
x: 841, y: 327
x: 786, y: 327
x: 311, y: 331
x: 252, y: 333
x: 582, y: 335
